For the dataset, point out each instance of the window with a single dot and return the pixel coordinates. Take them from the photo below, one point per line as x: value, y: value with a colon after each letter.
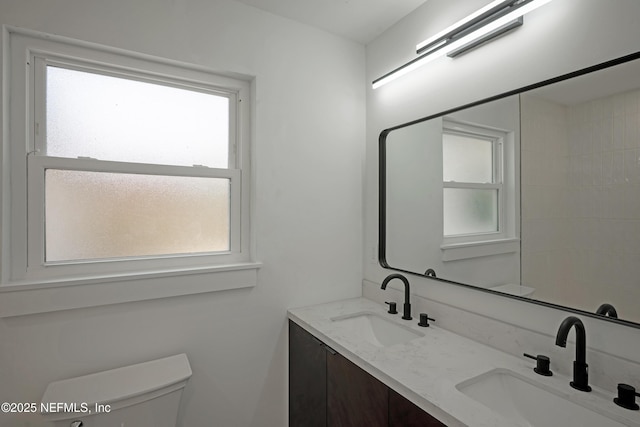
x: 478, y: 206
x: 122, y: 164
x: 472, y: 182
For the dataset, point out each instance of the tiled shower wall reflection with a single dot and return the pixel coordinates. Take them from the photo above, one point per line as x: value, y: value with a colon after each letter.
x: 581, y: 202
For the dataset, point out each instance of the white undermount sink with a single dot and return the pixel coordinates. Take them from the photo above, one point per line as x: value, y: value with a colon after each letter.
x: 529, y: 403
x: 376, y: 330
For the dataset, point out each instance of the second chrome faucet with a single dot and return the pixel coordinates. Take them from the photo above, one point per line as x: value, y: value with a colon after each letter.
x: 406, y: 312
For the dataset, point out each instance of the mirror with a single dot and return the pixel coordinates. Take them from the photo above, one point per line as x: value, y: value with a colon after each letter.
x: 532, y: 194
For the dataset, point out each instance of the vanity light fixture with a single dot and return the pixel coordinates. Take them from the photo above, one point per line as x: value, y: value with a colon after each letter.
x: 489, y: 22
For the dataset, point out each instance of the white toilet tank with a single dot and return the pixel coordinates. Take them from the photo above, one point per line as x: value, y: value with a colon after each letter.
x: 144, y: 395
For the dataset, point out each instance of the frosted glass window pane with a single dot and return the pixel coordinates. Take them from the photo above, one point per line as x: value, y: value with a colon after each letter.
x: 111, y: 118
x: 470, y: 211
x: 467, y: 159
x: 93, y: 215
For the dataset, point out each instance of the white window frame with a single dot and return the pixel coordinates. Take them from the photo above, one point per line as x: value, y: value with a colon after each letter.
x: 38, y: 267
x: 504, y: 240
x: 25, y: 57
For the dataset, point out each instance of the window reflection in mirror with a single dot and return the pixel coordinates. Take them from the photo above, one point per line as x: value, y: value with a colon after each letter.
x: 422, y: 205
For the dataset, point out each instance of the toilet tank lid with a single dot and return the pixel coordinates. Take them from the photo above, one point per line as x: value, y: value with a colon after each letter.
x: 514, y: 289
x: 121, y: 383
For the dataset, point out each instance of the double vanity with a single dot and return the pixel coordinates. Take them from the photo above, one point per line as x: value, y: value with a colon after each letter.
x: 424, y: 376
x: 546, y: 224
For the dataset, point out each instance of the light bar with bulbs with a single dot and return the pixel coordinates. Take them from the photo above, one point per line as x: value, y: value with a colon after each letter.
x: 485, y: 24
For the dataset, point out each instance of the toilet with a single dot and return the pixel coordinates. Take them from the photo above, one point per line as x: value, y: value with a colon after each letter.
x: 144, y: 395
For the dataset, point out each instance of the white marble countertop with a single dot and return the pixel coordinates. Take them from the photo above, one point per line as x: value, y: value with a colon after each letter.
x: 426, y: 370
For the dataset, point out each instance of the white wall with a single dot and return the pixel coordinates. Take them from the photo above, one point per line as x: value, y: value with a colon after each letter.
x: 309, y: 121
x: 605, y: 203
x: 580, y: 213
x: 563, y: 36
x: 546, y: 225
x: 414, y: 176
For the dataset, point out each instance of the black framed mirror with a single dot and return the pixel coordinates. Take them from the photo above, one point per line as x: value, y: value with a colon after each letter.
x: 531, y: 194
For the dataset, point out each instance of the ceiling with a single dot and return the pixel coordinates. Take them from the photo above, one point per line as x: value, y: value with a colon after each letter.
x: 358, y: 20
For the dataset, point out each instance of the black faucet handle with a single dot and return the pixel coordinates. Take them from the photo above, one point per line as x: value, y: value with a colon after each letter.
x: 424, y: 320
x: 627, y: 397
x: 542, y: 364
x: 392, y: 307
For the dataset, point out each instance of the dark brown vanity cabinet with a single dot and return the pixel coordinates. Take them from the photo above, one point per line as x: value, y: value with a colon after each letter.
x: 403, y: 413
x: 326, y: 389
x: 307, y: 379
x: 354, y: 398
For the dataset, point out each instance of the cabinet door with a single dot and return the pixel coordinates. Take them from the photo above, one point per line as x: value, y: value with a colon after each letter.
x: 354, y: 398
x: 403, y: 413
x: 307, y: 379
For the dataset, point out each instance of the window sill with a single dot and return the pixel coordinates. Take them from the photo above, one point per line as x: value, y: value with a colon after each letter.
x: 459, y: 251
x: 22, y: 298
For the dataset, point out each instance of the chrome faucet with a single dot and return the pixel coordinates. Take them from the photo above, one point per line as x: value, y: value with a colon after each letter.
x: 580, y: 367
x: 407, y: 305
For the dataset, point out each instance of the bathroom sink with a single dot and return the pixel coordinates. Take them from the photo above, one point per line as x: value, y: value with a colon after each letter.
x: 529, y: 403
x: 376, y: 330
